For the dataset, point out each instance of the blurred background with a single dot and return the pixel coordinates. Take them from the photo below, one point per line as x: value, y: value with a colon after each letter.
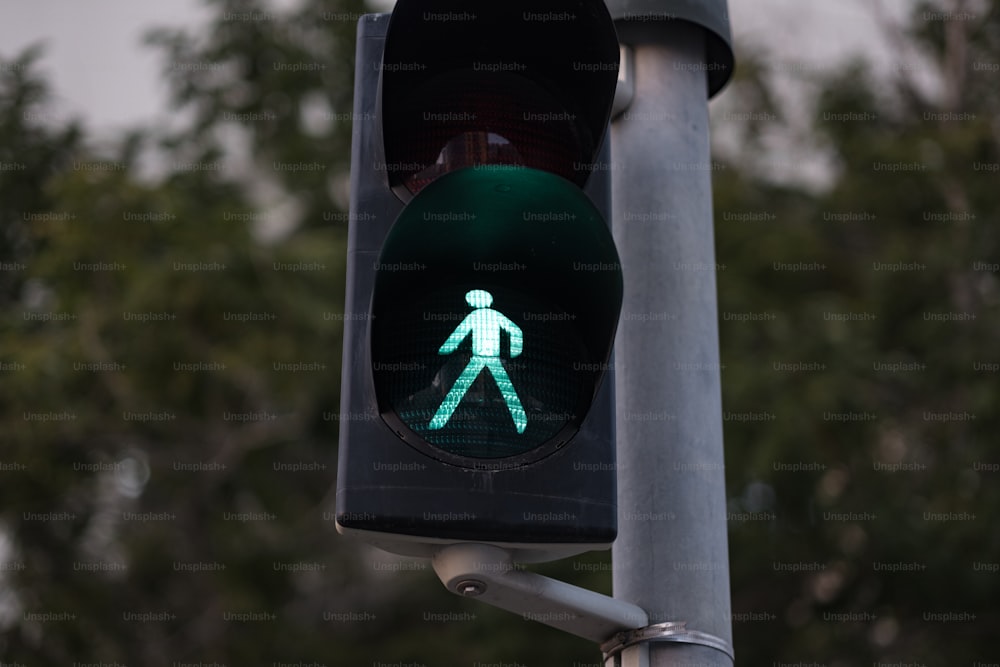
x: 166, y: 485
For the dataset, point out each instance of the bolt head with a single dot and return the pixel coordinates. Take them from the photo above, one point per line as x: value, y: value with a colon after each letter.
x: 470, y: 588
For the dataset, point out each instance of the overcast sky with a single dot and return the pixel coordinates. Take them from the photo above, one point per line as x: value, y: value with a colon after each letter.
x: 101, y: 72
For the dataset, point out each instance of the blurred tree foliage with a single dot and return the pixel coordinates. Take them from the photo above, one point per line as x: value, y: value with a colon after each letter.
x: 860, y: 392
x: 170, y: 363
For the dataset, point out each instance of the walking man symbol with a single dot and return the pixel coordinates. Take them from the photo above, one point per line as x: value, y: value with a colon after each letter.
x: 484, y: 324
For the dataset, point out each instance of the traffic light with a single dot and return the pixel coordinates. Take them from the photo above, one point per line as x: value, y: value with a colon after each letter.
x: 484, y: 287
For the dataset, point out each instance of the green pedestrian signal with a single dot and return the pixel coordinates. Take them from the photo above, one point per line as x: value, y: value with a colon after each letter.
x: 500, y: 386
x: 483, y: 283
x: 483, y: 325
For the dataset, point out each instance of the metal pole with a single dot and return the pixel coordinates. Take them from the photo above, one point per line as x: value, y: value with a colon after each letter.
x: 671, y: 555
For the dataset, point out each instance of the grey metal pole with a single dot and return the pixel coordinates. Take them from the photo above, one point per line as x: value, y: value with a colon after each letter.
x: 671, y: 555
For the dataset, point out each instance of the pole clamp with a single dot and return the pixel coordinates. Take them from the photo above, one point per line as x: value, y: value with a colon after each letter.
x: 673, y: 631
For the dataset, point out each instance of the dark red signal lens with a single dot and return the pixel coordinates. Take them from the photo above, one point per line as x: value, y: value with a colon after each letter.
x: 519, y: 83
x: 470, y: 118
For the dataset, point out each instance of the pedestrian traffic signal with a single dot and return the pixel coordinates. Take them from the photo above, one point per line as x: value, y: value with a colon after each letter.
x: 508, y: 314
x: 476, y: 403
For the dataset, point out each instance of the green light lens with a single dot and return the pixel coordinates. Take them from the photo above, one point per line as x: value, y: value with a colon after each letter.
x: 495, y: 302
